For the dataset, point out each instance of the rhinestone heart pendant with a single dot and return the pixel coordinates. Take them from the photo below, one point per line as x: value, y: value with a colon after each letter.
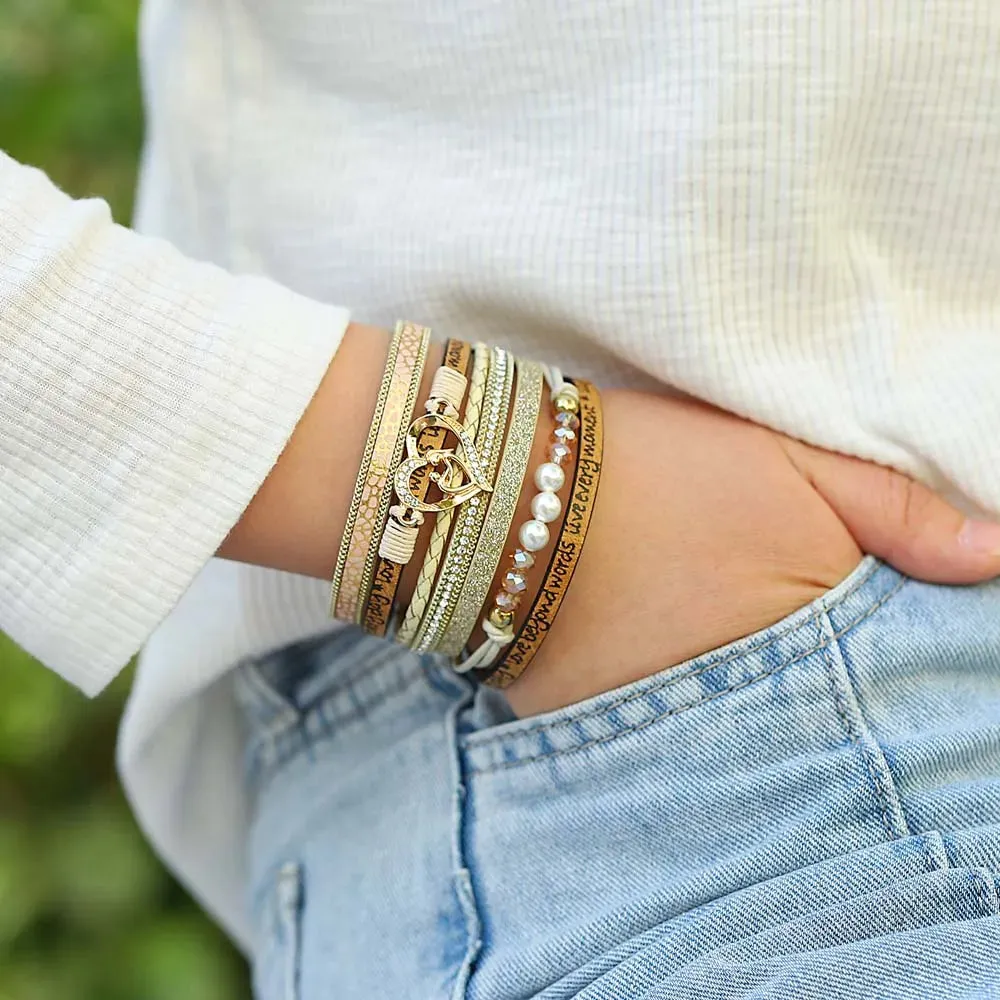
x: 458, y: 478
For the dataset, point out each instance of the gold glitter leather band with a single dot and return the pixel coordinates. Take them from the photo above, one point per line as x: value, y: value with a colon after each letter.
x: 500, y: 512
x: 373, y: 488
x: 566, y: 555
x: 424, y: 587
x: 385, y: 583
x: 469, y: 522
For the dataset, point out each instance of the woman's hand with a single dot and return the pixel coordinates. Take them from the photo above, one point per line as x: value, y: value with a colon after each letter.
x: 708, y: 528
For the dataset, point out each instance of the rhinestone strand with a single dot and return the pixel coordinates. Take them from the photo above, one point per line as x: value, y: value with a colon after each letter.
x: 502, y: 504
x: 470, y: 518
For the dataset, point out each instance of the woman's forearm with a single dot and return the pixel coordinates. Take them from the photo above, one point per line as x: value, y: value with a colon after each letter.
x: 296, y: 519
x: 705, y: 528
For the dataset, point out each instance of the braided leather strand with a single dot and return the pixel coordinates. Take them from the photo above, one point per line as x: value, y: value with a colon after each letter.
x: 408, y: 630
x: 468, y: 526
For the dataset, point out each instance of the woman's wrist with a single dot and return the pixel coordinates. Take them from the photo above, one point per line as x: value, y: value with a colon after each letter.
x: 296, y: 519
x: 704, y: 530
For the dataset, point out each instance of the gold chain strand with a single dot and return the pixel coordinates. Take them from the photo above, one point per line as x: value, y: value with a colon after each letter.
x: 359, y: 485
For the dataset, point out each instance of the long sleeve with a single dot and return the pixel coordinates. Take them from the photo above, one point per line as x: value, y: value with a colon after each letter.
x: 143, y: 399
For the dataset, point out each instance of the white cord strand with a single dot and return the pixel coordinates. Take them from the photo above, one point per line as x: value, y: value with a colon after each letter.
x: 399, y: 541
x: 448, y: 387
x: 496, y: 640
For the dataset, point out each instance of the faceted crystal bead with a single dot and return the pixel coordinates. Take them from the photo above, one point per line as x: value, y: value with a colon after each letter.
x: 514, y: 582
x: 564, y: 434
x: 523, y: 560
x: 570, y: 420
x: 559, y: 452
x: 506, y: 602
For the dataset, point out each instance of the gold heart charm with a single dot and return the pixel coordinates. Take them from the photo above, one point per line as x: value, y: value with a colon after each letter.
x: 459, y: 479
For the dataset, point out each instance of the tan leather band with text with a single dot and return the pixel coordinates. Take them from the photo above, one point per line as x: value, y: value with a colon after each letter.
x: 566, y: 555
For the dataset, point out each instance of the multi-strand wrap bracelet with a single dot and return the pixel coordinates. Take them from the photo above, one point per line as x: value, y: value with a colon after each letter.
x: 462, y: 464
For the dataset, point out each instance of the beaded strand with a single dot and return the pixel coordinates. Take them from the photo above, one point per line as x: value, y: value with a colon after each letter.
x: 533, y: 535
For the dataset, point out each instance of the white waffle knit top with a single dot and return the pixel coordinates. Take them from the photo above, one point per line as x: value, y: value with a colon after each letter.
x: 791, y: 209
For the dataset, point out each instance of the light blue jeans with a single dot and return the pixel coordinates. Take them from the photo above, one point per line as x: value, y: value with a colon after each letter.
x: 813, y: 811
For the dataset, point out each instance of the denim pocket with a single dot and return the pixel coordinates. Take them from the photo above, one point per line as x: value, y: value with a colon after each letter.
x: 708, y: 679
x: 278, y: 955
x: 615, y: 825
x: 323, y: 688
x: 879, y: 922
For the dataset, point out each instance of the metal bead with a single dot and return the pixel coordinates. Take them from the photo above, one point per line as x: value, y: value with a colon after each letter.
x: 501, y: 619
x: 566, y: 402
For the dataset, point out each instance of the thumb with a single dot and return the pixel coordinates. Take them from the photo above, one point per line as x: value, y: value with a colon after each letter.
x: 901, y: 521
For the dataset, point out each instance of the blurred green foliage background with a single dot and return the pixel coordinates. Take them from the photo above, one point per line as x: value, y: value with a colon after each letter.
x: 86, y: 911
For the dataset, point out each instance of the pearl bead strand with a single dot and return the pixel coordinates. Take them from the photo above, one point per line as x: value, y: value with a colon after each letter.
x: 533, y: 535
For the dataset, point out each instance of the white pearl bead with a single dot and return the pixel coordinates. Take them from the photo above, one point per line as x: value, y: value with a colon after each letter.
x: 549, y: 477
x: 534, y: 535
x: 546, y: 507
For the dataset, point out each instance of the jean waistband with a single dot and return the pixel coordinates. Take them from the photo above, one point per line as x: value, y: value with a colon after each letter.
x: 711, y: 676
x: 343, y: 685
x: 324, y: 687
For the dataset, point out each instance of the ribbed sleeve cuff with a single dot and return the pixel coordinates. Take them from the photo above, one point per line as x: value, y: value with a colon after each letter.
x: 144, y: 398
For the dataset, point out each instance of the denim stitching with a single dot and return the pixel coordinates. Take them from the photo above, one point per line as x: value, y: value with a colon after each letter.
x: 288, y: 713
x: 676, y: 678
x: 361, y: 706
x: 262, y: 689
x: 463, y: 884
x: 289, y: 903
x: 368, y: 665
x: 854, y: 737
x: 280, y: 745
x: 682, y: 708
